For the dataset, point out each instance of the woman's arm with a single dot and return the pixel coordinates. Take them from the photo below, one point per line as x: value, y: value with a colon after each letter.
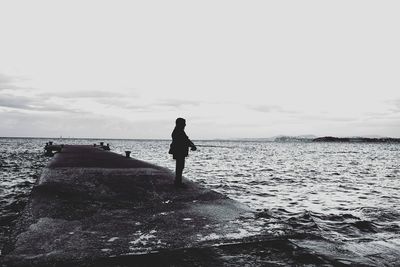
x: 190, y: 143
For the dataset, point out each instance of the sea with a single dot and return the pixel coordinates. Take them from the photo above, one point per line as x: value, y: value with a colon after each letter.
x: 337, y: 201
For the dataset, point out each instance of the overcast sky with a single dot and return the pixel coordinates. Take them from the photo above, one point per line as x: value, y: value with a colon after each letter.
x: 128, y: 69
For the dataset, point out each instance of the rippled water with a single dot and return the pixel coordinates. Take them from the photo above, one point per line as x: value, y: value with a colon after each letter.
x: 21, y: 162
x: 339, y: 201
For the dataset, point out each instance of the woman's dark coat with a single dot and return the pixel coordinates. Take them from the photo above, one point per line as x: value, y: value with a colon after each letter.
x: 179, y: 147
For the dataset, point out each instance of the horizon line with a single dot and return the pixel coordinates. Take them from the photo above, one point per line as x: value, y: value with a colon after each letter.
x: 199, y: 139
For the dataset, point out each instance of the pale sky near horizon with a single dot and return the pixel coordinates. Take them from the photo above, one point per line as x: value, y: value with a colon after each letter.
x: 233, y: 69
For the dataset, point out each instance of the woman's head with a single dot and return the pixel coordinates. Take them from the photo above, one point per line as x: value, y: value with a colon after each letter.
x: 180, y: 123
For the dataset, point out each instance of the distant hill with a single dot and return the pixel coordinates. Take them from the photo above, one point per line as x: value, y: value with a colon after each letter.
x: 356, y: 139
x: 299, y: 138
x: 314, y: 138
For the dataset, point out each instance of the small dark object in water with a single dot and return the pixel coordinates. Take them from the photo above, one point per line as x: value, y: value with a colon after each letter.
x: 128, y: 154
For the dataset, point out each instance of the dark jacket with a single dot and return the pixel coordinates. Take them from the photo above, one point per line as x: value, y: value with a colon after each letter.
x: 180, y: 144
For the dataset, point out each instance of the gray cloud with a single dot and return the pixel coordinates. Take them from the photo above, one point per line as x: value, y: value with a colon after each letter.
x: 177, y: 103
x: 161, y: 104
x: 108, y: 98
x: 270, y: 108
x: 87, y: 94
x: 125, y: 104
x: 45, y: 101
x: 387, y: 124
x: 31, y: 103
x: 8, y: 82
x: 395, y: 105
x: 11, y: 101
x: 393, y: 110
x: 17, y: 123
x: 324, y: 117
x: 297, y: 115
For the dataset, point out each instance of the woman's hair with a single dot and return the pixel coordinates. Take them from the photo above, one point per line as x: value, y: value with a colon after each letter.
x: 180, y: 122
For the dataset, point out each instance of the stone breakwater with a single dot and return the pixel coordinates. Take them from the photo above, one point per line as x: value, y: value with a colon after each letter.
x: 91, y: 206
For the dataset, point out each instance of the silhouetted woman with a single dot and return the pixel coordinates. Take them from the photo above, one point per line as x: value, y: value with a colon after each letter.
x: 180, y: 148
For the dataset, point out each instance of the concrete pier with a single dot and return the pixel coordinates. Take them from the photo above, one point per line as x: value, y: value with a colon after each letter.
x: 92, y: 207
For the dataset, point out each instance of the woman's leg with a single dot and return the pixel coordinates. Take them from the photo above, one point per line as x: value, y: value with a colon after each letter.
x: 180, y: 165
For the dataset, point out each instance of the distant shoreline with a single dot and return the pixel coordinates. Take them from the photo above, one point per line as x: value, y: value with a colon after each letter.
x: 279, y: 139
x: 356, y: 139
